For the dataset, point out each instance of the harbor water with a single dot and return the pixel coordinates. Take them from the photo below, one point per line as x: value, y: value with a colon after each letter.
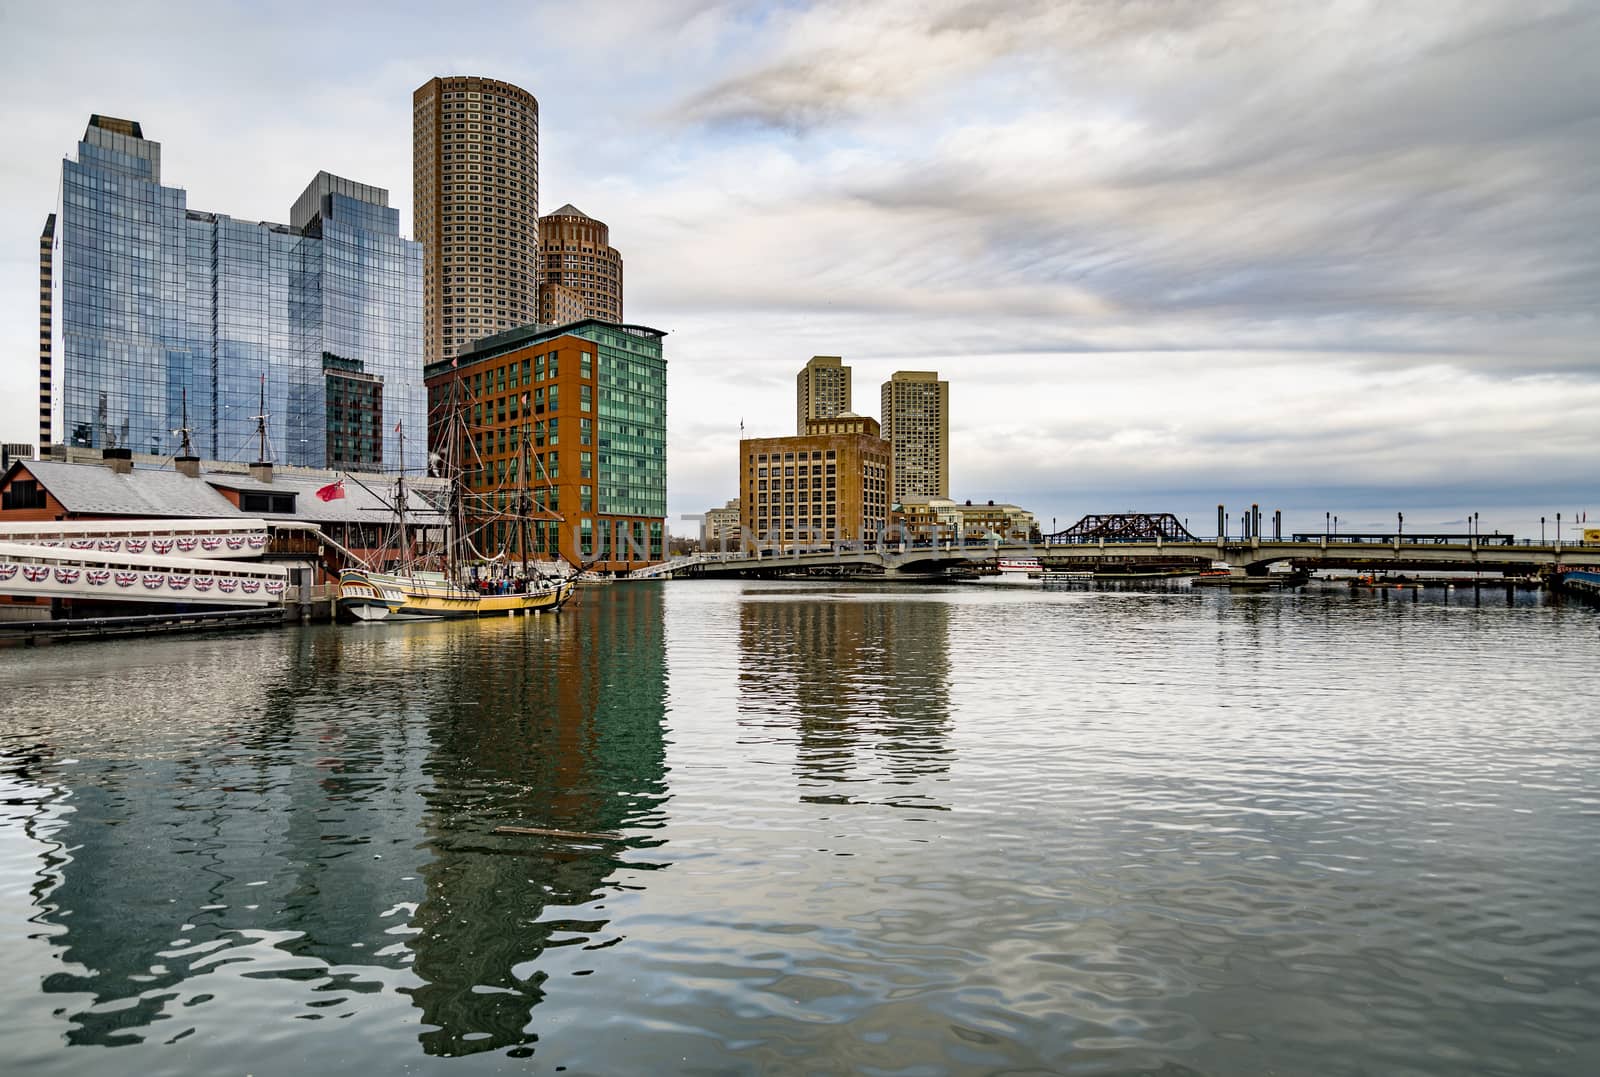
x: 816, y: 829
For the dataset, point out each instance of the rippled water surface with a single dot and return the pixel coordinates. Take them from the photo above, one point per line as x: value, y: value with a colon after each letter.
x: 836, y: 830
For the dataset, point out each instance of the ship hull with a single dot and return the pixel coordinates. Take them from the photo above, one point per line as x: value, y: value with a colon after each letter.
x: 363, y: 594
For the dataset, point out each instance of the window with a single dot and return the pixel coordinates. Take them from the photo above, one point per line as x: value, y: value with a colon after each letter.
x: 252, y: 501
x: 24, y: 494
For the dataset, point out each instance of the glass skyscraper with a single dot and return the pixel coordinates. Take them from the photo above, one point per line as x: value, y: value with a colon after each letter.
x: 156, y: 308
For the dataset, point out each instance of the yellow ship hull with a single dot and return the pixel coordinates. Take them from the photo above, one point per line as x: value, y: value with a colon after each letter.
x: 372, y: 596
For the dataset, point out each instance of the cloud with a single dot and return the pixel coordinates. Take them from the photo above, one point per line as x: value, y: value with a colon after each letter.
x: 1295, y: 175
x: 1175, y: 251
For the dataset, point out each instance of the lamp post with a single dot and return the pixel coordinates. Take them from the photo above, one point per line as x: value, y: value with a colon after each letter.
x: 1400, y: 521
x: 1541, y: 530
x: 1325, y: 518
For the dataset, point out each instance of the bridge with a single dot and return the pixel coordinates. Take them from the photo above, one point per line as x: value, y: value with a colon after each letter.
x: 1363, y: 552
x: 1148, y: 542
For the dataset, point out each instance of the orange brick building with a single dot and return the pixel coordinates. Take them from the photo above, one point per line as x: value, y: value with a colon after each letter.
x: 574, y: 419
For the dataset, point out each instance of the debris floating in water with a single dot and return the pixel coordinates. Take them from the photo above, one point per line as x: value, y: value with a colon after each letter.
x: 570, y: 835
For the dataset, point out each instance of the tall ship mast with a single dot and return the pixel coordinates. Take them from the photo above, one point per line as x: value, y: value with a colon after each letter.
x: 472, y: 583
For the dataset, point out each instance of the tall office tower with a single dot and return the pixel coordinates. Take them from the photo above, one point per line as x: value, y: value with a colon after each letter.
x: 475, y: 165
x: 822, y: 390
x: 578, y: 261
x: 161, y: 312
x: 916, y: 423
x: 46, y: 243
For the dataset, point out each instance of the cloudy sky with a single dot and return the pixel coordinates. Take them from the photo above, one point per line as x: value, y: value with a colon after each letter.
x: 1328, y: 256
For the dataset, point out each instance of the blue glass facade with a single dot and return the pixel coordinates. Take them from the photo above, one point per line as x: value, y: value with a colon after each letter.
x: 152, y: 299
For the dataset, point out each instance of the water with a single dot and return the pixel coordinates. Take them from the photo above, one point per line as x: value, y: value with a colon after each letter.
x: 882, y: 831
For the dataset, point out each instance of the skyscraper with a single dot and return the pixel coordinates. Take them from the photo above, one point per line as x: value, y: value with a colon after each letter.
x: 580, y: 267
x: 916, y: 423
x: 158, y: 311
x: 475, y: 164
x: 822, y: 390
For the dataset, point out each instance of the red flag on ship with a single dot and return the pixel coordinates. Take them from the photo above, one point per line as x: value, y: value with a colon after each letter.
x: 332, y: 492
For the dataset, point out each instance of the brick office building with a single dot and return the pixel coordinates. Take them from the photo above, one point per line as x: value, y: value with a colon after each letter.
x: 829, y: 486
x: 574, y: 419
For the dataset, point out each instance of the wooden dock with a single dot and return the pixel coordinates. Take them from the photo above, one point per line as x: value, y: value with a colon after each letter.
x: 77, y: 628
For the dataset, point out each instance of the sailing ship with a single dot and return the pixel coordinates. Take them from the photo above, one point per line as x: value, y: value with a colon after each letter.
x: 456, y: 588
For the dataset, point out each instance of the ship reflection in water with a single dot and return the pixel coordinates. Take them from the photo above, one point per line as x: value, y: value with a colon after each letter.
x: 331, y: 830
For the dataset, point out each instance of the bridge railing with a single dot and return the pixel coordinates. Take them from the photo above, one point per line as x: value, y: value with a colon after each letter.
x: 1389, y: 538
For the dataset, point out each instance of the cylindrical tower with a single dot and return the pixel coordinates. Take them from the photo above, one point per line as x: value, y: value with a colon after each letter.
x: 579, y: 261
x: 475, y: 159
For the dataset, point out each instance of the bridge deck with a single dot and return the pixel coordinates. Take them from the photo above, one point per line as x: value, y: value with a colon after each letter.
x: 1489, y: 553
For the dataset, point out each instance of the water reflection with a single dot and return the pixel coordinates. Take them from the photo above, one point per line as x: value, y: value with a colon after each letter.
x: 328, y: 827
x: 574, y: 745
x: 863, y: 681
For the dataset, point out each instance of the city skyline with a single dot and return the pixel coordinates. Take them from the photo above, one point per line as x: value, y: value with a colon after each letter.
x: 1165, y: 260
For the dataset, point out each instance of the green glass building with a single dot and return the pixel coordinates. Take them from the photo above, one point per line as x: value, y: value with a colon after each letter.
x: 573, y: 418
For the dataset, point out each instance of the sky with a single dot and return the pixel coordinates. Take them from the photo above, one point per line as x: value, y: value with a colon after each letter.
x: 1329, y: 257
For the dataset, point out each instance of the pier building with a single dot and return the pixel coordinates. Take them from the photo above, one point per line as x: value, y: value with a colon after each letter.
x: 568, y: 429
x: 120, y: 485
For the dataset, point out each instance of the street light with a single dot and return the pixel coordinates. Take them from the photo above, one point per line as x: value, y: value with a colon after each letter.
x: 1541, y: 530
x: 1400, y: 518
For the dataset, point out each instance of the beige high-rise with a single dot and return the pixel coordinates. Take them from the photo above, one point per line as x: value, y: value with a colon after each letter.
x: 578, y: 261
x: 475, y: 163
x: 916, y: 423
x: 822, y: 390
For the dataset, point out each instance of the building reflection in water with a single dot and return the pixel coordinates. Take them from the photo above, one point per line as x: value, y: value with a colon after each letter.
x: 863, y: 681
x: 316, y: 809
x: 573, y: 745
